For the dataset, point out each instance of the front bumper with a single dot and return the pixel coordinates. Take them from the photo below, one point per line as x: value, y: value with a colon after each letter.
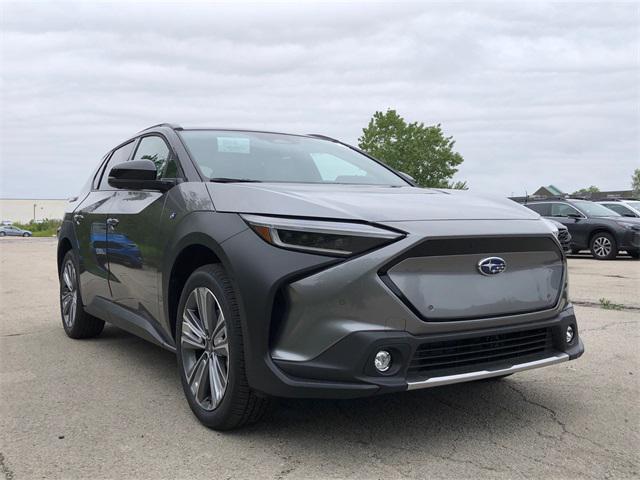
x: 349, y: 363
x: 629, y: 240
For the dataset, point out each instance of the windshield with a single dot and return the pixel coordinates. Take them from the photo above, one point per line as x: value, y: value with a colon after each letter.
x: 591, y: 209
x: 270, y: 157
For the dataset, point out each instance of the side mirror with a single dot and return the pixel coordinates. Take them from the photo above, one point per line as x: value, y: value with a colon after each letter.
x: 575, y: 216
x: 629, y: 214
x: 137, y: 175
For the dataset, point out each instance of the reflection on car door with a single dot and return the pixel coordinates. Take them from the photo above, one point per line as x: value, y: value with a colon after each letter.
x: 90, y: 225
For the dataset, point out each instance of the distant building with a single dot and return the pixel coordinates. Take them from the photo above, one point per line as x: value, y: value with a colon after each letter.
x: 624, y: 194
x: 24, y: 210
x: 551, y: 191
x: 548, y: 191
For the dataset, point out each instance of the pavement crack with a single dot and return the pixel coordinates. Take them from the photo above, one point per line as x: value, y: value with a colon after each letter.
x: 4, y: 468
x: 620, y: 307
x: 565, y: 430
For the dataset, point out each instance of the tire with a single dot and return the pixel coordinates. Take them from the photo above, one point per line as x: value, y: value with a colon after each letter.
x: 603, y: 246
x: 215, y: 347
x: 76, y: 322
x: 26, y: 235
x: 2, y: 234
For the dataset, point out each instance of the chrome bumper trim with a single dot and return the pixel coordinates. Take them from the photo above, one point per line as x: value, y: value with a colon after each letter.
x: 480, y: 374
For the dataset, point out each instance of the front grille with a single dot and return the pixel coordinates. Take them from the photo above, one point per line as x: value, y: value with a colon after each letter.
x: 564, y: 238
x: 470, y: 354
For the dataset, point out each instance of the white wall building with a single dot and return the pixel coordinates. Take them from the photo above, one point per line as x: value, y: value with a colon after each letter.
x: 24, y: 210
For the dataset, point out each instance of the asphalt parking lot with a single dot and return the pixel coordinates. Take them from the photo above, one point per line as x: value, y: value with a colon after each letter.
x: 112, y: 407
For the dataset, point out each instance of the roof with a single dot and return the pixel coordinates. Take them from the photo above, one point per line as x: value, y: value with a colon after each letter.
x: 555, y: 190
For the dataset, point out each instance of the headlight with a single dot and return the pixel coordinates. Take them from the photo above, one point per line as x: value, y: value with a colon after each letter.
x: 552, y: 226
x: 322, y: 237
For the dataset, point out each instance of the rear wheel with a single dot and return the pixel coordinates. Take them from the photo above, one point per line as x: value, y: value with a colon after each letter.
x: 2, y: 234
x: 76, y: 322
x: 604, y: 246
x: 211, y: 353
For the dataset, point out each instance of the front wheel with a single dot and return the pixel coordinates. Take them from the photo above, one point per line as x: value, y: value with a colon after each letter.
x: 210, y: 352
x: 25, y: 234
x: 76, y: 322
x: 604, y: 246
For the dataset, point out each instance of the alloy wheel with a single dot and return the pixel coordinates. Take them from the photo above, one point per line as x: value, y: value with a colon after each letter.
x: 69, y: 293
x: 204, y: 348
x: 602, y: 246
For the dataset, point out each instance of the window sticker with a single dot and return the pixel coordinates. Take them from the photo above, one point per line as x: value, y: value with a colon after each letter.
x: 234, y: 145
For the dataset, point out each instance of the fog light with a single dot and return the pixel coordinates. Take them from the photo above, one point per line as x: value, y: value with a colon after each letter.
x: 382, y: 361
x: 569, y: 334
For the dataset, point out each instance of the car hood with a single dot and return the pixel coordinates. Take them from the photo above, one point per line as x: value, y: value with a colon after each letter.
x: 363, y: 202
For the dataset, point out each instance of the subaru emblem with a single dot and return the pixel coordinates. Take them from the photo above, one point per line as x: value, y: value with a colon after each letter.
x: 492, y: 266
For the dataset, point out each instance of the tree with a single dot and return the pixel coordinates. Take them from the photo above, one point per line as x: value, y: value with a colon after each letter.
x: 413, y: 148
x: 635, y: 181
x: 587, y: 191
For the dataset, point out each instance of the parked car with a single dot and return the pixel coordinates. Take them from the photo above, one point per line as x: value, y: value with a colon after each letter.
x: 593, y: 226
x: 298, y: 266
x: 626, y: 208
x: 11, y: 231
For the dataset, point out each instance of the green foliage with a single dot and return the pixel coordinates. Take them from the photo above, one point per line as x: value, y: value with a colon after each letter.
x: 459, y: 185
x: 635, y: 181
x: 413, y: 148
x: 584, y: 191
x: 43, y: 228
x: 609, y: 305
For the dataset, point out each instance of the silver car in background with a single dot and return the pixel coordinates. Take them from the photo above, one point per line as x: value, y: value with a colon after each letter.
x: 11, y: 231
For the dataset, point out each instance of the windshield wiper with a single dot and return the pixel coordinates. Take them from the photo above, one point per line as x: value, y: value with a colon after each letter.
x: 233, y: 180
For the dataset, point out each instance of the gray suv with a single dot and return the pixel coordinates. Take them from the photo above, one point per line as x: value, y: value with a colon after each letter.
x: 279, y: 265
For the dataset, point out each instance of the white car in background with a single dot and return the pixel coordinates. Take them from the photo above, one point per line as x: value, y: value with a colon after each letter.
x: 626, y: 208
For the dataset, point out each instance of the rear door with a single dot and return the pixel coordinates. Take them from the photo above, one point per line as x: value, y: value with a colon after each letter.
x: 134, y: 229
x: 90, y: 219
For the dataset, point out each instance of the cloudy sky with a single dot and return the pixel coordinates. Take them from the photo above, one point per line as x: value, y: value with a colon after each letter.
x: 533, y: 93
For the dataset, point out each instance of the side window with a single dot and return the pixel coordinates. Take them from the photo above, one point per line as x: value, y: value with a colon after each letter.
x: 120, y: 155
x: 543, y: 209
x: 563, y: 210
x: 618, y: 208
x: 155, y: 149
x: 331, y: 168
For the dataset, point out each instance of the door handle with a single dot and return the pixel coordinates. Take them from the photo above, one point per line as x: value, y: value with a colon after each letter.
x: 113, y: 222
x: 78, y: 218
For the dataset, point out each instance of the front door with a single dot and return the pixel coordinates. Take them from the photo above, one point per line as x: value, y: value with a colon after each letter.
x: 90, y: 221
x: 135, y: 240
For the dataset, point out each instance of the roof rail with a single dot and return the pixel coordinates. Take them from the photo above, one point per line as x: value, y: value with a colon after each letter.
x: 324, y: 137
x: 172, y: 126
